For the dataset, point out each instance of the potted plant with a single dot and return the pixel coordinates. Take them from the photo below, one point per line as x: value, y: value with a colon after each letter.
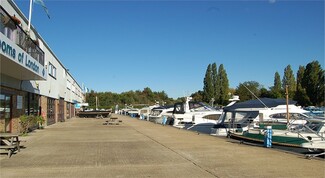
x: 40, y: 121
x: 16, y: 20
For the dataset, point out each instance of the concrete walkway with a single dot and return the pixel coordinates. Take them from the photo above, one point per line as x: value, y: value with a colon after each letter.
x: 87, y: 148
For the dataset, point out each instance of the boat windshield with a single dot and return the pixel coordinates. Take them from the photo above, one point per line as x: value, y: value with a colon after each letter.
x: 293, y: 116
x: 315, y: 126
x: 239, y: 116
x: 199, y: 106
x: 310, y: 127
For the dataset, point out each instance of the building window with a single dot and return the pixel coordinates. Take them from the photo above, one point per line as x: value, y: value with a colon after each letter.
x: 5, y: 113
x: 68, y: 85
x: 32, y: 104
x: 52, y: 70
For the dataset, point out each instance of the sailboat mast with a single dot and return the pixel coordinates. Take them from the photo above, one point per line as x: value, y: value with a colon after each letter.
x: 96, y: 103
x: 287, y: 101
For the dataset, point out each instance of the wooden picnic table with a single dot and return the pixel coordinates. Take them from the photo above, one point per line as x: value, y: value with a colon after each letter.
x: 112, y: 121
x: 9, y: 142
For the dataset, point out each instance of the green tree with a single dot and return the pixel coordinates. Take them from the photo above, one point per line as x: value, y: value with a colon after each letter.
x: 301, y: 96
x: 289, y: 79
x: 91, y: 99
x: 197, y: 96
x: 276, y: 90
x: 313, y: 82
x: 216, y: 82
x: 109, y: 100
x: 245, y: 90
x: 208, y: 85
x: 223, y: 85
x: 264, y: 93
x: 321, y: 99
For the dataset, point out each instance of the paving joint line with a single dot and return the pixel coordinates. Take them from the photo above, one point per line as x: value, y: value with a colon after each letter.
x: 197, y: 165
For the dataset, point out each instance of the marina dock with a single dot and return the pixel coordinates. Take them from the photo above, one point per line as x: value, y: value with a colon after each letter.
x: 85, y: 147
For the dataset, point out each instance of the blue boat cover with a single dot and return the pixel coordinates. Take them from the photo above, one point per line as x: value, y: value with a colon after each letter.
x: 269, y: 102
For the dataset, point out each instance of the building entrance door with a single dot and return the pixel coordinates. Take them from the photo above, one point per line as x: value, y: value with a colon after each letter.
x: 5, y: 113
x: 61, y: 110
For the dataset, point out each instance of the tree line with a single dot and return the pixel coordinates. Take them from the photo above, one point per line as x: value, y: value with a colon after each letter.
x: 306, y: 87
x: 132, y: 98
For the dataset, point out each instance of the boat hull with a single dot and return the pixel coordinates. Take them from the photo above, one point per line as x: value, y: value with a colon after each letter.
x: 157, y: 120
x: 276, y: 139
x: 202, y: 127
x: 93, y: 114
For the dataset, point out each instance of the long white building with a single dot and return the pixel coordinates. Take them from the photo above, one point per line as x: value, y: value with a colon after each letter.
x: 33, y: 81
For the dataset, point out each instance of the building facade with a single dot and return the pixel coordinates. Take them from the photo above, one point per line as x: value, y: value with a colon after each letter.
x: 33, y: 81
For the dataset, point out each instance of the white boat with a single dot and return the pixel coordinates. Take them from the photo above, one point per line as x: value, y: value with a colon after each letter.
x: 309, y: 136
x: 317, y: 148
x: 129, y: 110
x: 145, y: 111
x: 254, y: 113
x: 271, y: 125
x: 133, y: 112
x: 187, y: 113
x: 161, y: 114
x: 314, y: 145
x: 203, y: 123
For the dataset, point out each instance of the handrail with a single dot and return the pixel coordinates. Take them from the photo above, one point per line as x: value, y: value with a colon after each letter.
x: 9, y: 26
x: 306, y: 127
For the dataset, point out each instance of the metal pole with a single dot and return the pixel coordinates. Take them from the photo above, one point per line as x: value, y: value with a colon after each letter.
x: 30, y: 14
x: 287, y: 101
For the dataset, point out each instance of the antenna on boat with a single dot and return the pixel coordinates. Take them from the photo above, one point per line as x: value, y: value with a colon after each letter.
x: 96, y: 103
x: 255, y: 96
x: 287, y: 103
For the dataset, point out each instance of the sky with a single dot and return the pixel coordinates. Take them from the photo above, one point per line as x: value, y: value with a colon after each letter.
x: 118, y: 46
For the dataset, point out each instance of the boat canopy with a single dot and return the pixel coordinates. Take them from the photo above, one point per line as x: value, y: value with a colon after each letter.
x: 269, y: 102
x: 163, y: 107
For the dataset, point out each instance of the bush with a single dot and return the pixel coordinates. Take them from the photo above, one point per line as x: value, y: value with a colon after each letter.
x: 40, y: 121
x: 25, y: 122
x: 28, y: 121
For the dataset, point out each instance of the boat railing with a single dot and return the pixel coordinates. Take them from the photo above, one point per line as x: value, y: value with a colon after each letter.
x: 312, y: 131
x: 11, y: 28
x: 237, y: 126
x: 304, y: 129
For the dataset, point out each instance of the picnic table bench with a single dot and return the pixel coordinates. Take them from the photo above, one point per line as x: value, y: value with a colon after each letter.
x: 112, y: 121
x: 9, y: 143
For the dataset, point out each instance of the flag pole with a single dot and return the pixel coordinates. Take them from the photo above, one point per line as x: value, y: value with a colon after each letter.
x: 30, y: 14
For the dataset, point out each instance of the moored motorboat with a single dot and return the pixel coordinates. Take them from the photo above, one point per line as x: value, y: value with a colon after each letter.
x: 185, y: 112
x: 309, y: 136
x: 251, y: 114
x: 161, y: 114
x: 145, y: 111
x: 94, y: 113
x: 203, y: 123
